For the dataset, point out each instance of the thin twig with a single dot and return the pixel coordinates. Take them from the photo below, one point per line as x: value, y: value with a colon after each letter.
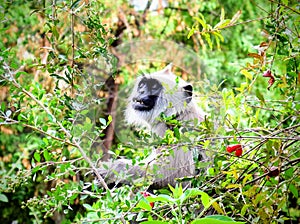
x: 11, y: 121
x: 286, y: 166
x: 64, y: 130
x: 231, y: 25
x: 285, y: 6
x: 73, y: 44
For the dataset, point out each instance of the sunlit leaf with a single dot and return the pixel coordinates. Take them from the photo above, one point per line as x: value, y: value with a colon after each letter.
x: 294, y: 190
x: 191, y: 32
x: 3, y: 198
x: 201, y: 21
x: 222, y: 24
x: 247, y: 74
x: 236, y: 17
x: 37, y: 156
x: 144, y: 204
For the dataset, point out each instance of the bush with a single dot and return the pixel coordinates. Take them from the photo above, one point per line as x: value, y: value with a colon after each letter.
x: 61, y: 66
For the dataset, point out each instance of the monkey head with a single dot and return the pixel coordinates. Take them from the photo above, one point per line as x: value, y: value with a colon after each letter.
x: 148, y: 91
x: 156, y: 93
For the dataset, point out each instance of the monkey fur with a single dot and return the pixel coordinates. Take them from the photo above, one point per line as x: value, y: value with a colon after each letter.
x: 152, y: 95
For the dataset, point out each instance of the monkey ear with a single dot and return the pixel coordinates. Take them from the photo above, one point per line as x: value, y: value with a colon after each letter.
x: 168, y: 68
x: 188, y: 89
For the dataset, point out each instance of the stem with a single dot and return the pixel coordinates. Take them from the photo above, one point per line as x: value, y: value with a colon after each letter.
x: 73, y: 43
x: 285, y: 6
x: 64, y: 130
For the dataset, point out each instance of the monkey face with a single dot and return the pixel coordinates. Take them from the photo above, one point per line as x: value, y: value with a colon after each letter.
x: 148, y: 91
x: 157, y: 93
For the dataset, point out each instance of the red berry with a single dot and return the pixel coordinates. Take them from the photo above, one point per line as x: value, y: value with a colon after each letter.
x: 232, y: 148
x: 152, y: 204
x: 146, y: 194
x: 239, y: 152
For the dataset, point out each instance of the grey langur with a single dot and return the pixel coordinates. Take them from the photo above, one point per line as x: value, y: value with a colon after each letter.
x: 152, y: 95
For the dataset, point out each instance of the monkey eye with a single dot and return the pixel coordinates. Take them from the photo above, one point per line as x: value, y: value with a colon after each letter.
x: 141, y: 84
x: 155, y: 86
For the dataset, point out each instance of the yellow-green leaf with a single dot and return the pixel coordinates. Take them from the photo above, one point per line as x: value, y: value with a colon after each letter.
x: 236, y: 17
x: 207, y: 38
x: 192, y: 31
x: 247, y: 177
x: 218, y: 208
x: 222, y: 24
x: 222, y: 14
x: 247, y: 74
x: 233, y: 186
x: 201, y: 21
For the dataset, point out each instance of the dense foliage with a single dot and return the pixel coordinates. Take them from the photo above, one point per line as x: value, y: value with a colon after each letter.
x: 66, y: 68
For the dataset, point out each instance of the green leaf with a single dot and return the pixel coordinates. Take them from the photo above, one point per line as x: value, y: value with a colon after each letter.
x: 176, y: 132
x: 84, y: 112
x: 222, y: 16
x: 208, y: 39
x: 37, y: 156
x: 217, y: 41
x: 109, y: 119
x: 144, y: 204
x: 260, y: 96
x: 154, y: 222
x: 55, y: 32
x: 177, y: 191
x: 47, y: 155
x: 51, y: 118
x: 190, y: 193
x: 222, y: 24
x: 3, y: 106
x: 236, y: 17
x: 218, y: 35
x: 35, y: 169
x: 88, y: 207
x: 205, y: 199
x: 191, y: 32
x: 3, y: 198
x: 247, y: 74
x: 162, y: 198
x: 102, y: 121
x: 45, y: 128
x: 215, y: 219
x: 18, y: 74
x: 220, y: 217
x: 294, y: 190
x: 193, y: 192
x: 244, y: 209
x: 201, y: 21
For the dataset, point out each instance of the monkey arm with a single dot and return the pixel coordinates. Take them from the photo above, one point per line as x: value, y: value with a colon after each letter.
x: 124, y: 172
x: 159, y: 169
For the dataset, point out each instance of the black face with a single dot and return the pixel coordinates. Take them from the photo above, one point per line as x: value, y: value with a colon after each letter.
x: 148, y: 92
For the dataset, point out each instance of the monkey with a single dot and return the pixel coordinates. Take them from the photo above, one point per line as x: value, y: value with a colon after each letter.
x: 154, y: 94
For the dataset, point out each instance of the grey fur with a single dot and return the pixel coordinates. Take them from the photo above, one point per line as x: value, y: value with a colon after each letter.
x: 163, y: 165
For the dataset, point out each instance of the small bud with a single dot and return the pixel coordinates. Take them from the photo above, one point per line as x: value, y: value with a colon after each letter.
x: 267, y: 74
x: 271, y: 81
x: 274, y: 171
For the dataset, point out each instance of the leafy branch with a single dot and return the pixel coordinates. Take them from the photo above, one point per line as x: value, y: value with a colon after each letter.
x: 208, y: 31
x: 9, y: 76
